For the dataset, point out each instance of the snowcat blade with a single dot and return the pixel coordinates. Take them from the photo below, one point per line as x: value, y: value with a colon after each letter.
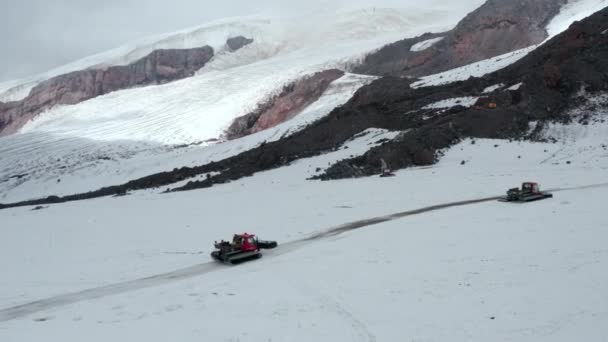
x: 267, y: 244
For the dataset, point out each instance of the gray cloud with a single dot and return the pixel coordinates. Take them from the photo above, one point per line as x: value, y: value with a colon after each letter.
x: 40, y: 34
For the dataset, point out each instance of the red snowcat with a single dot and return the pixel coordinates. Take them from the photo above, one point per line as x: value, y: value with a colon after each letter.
x: 244, y: 247
x: 529, y: 192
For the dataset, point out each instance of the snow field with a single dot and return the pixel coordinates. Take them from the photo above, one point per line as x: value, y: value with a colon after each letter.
x: 489, y: 271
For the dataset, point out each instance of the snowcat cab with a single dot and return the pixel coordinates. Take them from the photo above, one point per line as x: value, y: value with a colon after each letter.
x: 529, y: 187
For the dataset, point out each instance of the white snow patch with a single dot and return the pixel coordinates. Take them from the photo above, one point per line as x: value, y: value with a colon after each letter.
x: 515, y: 86
x: 477, y: 69
x: 425, y: 44
x: 493, y: 88
x: 605, y: 31
x: 574, y: 10
x: 466, y: 101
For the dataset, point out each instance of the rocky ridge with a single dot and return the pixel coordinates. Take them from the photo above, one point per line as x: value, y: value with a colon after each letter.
x: 495, y: 28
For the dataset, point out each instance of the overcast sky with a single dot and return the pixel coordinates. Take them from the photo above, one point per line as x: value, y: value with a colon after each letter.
x: 41, y: 34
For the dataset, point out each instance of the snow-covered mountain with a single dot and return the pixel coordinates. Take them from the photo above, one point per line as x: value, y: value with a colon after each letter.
x: 283, y: 49
x: 202, y: 107
x: 142, y: 127
x: 427, y: 255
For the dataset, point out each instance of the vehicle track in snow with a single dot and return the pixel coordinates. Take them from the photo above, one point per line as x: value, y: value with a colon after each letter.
x: 26, y: 309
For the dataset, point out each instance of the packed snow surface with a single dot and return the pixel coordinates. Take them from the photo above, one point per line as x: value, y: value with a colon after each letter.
x: 515, y: 86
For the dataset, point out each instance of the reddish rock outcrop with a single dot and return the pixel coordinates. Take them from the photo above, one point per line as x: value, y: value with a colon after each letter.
x: 294, y: 98
x: 495, y: 28
x: 158, y: 67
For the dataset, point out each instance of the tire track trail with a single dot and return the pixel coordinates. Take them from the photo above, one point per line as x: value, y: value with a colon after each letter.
x: 202, y: 269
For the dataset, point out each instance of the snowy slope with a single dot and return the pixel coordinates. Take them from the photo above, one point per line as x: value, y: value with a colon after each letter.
x: 201, y: 107
x: 425, y: 44
x: 83, y: 163
x: 277, y: 32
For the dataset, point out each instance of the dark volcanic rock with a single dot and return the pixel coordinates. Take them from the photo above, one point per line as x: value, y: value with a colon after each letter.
x: 158, y: 67
x: 294, y: 98
x: 495, y: 28
x: 237, y: 43
x: 393, y: 58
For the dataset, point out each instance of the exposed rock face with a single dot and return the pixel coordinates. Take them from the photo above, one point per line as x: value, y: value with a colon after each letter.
x: 8, y: 113
x: 393, y: 58
x: 495, y: 28
x: 3, y: 120
x: 158, y: 67
x: 293, y: 99
x: 238, y: 42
